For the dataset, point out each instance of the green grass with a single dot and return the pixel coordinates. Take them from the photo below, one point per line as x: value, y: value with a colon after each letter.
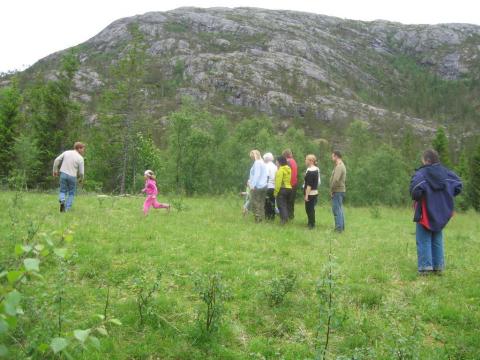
x: 382, y: 307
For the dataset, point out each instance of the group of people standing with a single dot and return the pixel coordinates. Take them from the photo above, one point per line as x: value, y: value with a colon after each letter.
x: 273, y: 186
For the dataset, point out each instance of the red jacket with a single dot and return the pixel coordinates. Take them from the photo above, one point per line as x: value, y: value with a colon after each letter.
x: 293, y: 165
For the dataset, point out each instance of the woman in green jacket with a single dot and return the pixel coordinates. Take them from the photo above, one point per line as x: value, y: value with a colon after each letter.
x: 283, y: 187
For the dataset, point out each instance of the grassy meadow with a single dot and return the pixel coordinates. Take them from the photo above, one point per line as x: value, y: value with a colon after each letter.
x: 278, y: 288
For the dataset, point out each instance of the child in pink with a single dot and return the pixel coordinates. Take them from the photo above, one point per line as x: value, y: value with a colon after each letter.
x: 151, y: 191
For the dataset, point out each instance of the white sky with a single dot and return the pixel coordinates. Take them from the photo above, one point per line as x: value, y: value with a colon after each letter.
x: 32, y: 29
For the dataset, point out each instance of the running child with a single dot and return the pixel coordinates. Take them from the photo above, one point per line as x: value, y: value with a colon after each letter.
x: 152, y: 192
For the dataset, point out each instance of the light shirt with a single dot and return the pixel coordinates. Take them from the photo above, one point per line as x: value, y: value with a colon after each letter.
x: 71, y: 163
x: 271, y: 171
x: 258, y: 175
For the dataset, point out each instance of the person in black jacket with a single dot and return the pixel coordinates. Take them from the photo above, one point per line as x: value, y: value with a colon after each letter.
x: 310, y: 188
x: 433, y: 188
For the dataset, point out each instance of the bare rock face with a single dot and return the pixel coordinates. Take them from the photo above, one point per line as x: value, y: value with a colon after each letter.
x: 283, y: 63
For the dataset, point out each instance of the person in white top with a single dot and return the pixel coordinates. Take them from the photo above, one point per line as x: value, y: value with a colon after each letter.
x: 270, y: 199
x: 70, y: 166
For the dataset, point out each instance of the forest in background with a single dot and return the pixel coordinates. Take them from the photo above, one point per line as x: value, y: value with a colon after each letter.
x: 202, y: 152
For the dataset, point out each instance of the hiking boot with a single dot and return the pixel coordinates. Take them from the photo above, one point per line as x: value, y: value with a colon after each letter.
x: 62, y: 206
x: 424, y: 272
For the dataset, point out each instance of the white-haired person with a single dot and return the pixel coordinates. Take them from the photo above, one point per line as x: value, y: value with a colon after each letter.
x: 258, y: 185
x: 152, y: 192
x: 270, y: 198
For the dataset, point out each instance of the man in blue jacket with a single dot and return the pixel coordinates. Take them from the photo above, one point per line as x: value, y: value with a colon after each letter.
x: 433, y: 188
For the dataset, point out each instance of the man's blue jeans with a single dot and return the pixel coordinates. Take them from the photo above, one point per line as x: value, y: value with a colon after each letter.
x: 68, y: 186
x: 337, y: 209
x: 429, y: 249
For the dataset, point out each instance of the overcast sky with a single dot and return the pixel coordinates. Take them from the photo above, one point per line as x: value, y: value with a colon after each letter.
x: 32, y: 29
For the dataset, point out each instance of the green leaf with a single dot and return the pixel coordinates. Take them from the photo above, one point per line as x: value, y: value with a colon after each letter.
x: 11, y: 302
x: 37, y: 275
x: 95, y: 342
x: 18, y: 249
x: 101, y: 330
x: 45, y: 252
x: 60, y: 252
x: 43, y: 347
x: 3, y: 274
x: 81, y: 335
x: 58, y: 344
x: 115, y: 322
x: 3, y: 326
x: 13, y: 276
x: 31, y: 264
x: 68, y: 238
x: 100, y: 316
x: 11, y: 321
x: 3, y: 350
x: 67, y: 355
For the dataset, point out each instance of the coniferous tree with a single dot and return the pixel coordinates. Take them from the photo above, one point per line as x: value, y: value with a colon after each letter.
x: 475, y: 180
x: 440, y: 144
x: 10, y: 101
x: 55, y: 117
x: 121, y: 115
x: 463, y: 171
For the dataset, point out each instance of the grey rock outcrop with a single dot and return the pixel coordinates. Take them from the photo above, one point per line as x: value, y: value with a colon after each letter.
x: 284, y: 63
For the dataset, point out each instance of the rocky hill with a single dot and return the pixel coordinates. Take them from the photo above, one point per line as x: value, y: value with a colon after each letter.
x: 317, y: 71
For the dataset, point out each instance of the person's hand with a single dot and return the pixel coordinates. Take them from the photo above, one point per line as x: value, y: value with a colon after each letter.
x: 331, y: 195
x: 55, y: 173
x: 306, y: 198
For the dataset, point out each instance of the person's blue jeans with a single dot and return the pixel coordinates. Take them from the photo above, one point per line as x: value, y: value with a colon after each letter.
x: 337, y: 209
x: 68, y: 186
x: 429, y: 249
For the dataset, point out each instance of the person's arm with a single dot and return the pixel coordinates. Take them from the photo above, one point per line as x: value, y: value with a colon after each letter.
x: 294, y: 173
x: 256, y: 175
x: 417, y: 187
x: 456, y: 181
x: 81, y: 171
x: 56, y: 164
x: 337, y: 174
x: 307, y: 192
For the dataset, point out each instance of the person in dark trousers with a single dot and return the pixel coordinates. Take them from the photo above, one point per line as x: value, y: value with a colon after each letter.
x: 283, y: 188
x: 258, y: 185
x: 310, y: 188
x: 433, y: 188
x: 270, y: 199
x: 337, y: 190
x: 287, y: 153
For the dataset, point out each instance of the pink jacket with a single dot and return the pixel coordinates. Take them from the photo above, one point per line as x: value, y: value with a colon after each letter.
x: 150, y: 187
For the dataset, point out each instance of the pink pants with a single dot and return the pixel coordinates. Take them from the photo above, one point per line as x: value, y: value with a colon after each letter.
x: 150, y: 201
